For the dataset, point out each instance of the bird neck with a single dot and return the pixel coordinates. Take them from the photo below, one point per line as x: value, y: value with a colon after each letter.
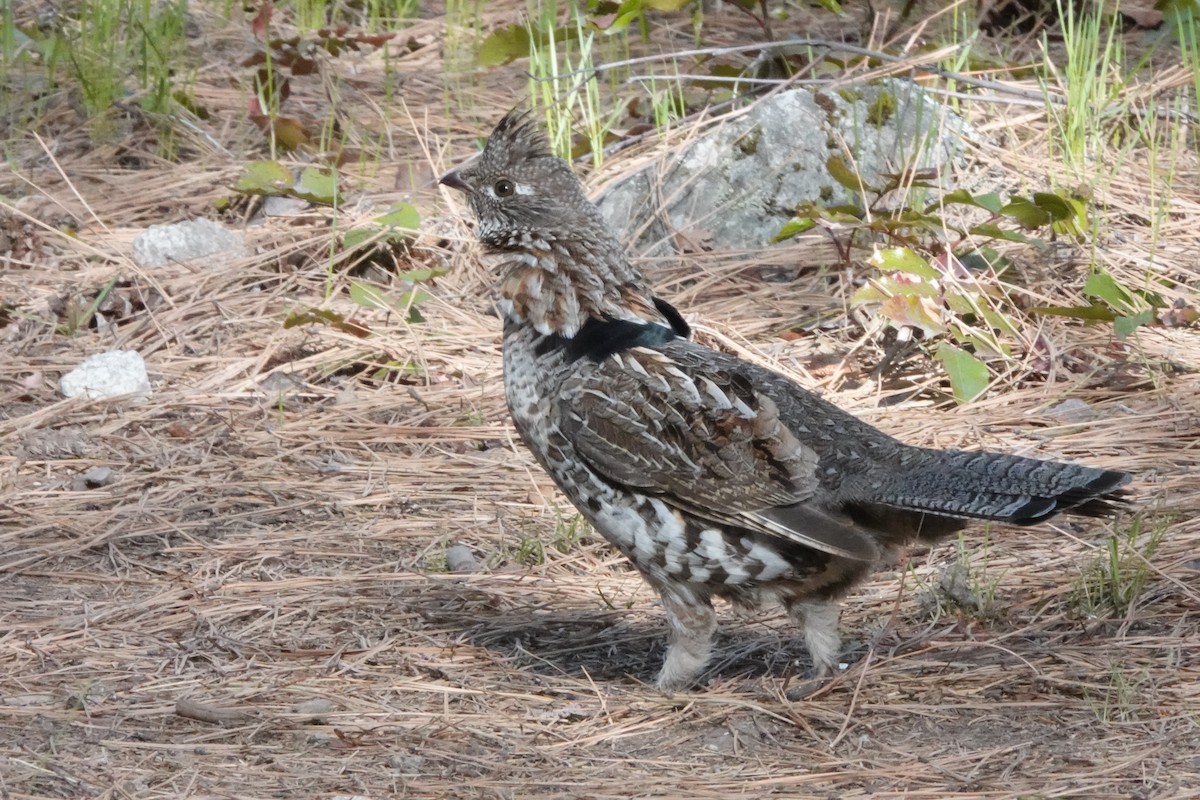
x: 557, y: 285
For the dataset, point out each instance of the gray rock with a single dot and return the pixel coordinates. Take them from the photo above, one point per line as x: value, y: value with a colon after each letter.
x: 316, y: 709
x: 94, y: 478
x: 406, y: 763
x: 1073, y: 410
x: 735, y: 187
x: 160, y: 245
x: 111, y: 374
x: 281, y: 206
x: 460, y: 559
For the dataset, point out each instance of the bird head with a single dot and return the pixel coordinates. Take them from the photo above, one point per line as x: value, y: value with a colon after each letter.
x: 519, y: 190
x: 558, y: 263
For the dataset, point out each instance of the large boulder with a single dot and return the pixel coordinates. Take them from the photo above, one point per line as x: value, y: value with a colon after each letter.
x: 735, y: 187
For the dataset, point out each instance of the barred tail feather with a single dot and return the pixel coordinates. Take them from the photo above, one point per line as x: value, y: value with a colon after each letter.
x: 1011, y: 489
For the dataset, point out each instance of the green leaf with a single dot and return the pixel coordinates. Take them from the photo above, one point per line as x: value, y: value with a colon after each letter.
x: 961, y: 302
x: 357, y: 237
x: 1153, y: 299
x: 793, y: 228
x: 1057, y: 207
x: 370, y: 297
x: 999, y: 321
x: 982, y: 345
x: 881, y: 288
x: 504, y: 45
x: 1026, y: 214
x: 868, y: 294
x: 317, y: 185
x: 959, y: 197
x: 977, y: 261
x: 264, y: 178
x: 830, y: 5
x: 968, y: 375
x: 1123, y: 326
x: 988, y: 202
x: 1104, y: 287
x: 914, y: 311
x: 665, y: 5
x: 332, y: 319
x: 844, y: 214
x: 413, y: 298
x: 402, y: 215
x: 1090, y: 313
x: 618, y: 23
x: 902, y: 259
x: 993, y: 231
x: 718, y: 71
x: 919, y: 219
x: 841, y: 172
x: 421, y: 275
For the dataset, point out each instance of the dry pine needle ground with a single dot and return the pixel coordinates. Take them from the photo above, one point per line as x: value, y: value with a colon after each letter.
x: 258, y: 606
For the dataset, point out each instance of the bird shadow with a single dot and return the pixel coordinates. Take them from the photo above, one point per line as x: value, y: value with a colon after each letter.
x: 621, y: 645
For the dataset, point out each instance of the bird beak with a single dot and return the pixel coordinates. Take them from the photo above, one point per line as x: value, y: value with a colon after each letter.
x: 455, y: 181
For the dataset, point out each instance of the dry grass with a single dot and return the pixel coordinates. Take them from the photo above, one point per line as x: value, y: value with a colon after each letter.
x: 255, y: 607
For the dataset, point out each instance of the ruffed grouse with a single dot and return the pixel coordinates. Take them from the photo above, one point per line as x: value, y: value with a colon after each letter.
x: 713, y: 475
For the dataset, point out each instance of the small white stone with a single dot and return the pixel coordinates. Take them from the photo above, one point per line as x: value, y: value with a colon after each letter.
x: 112, y: 374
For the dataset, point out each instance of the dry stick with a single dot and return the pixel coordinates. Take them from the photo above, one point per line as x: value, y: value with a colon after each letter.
x: 902, y: 61
x: 70, y: 184
x: 40, y: 762
x: 866, y: 663
x: 194, y: 709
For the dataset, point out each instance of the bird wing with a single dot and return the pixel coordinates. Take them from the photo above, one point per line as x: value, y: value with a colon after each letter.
x: 707, y: 442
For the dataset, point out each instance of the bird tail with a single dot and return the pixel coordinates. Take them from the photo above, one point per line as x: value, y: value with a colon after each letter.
x: 1003, y: 488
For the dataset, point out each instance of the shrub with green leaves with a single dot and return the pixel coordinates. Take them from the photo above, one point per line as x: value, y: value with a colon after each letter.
x: 939, y: 275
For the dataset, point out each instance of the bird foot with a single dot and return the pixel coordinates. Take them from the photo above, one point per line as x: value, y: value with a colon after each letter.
x: 809, y: 684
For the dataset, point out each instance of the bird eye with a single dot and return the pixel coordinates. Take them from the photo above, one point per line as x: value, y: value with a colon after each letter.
x: 504, y: 188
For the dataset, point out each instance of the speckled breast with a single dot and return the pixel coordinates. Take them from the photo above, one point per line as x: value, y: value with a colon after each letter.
x: 666, y: 545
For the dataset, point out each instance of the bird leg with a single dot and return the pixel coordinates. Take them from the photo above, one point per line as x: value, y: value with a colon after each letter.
x: 819, y: 620
x: 692, y: 622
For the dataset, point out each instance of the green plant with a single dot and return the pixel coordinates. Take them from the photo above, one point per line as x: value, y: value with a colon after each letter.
x: 569, y: 530
x: 8, y: 34
x: 435, y: 558
x: 77, y: 317
x: 386, y: 14
x: 529, y: 550
x: 616, y: 18
x: 564, y: 82
x: 1185, y: 14
x: 1115, y: 580
x: 563, y: 86
x: 273, y: 179
x: 934, y: 275
x: 383, y: 242
x: 966, y: 584
x: 1120, y: 700
x: 1092, y: 83
x: 279, y: 61
x: 115, y: 51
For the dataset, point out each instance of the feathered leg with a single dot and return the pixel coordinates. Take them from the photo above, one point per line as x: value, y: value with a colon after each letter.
x: 692, y: 622
x: 819, y: 621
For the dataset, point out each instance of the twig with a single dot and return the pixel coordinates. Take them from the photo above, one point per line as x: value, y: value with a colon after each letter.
x: 202, y: 712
